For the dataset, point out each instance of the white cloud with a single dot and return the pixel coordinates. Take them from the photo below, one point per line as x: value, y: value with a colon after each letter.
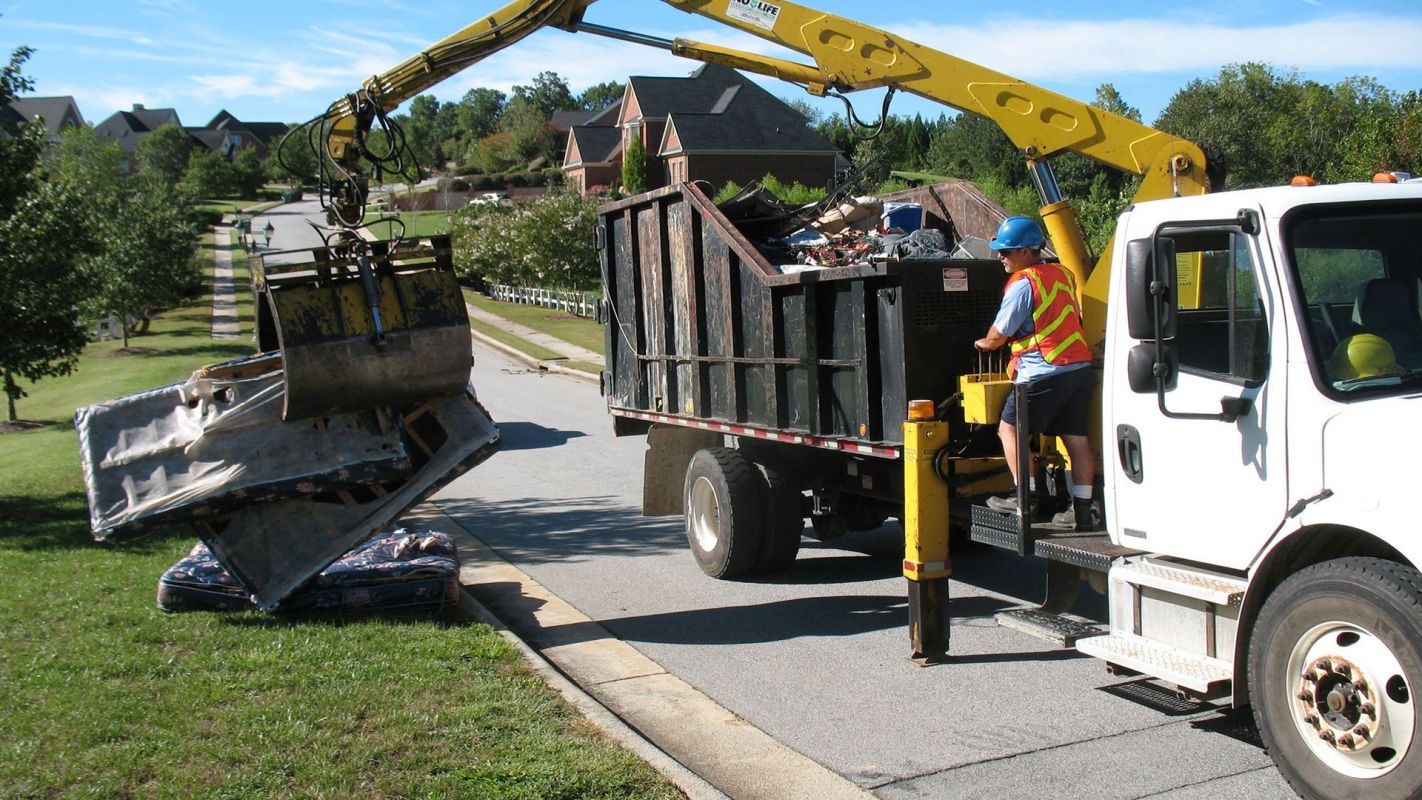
x: 92, y: 31
x: 1079, y: 49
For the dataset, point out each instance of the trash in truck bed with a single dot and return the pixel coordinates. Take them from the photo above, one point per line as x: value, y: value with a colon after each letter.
x: 929, y: 223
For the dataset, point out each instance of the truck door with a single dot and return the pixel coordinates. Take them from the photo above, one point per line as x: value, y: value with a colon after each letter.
x: 1203, y: 489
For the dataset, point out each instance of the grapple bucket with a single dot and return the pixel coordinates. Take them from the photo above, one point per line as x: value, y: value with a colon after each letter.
x: 366, y: 325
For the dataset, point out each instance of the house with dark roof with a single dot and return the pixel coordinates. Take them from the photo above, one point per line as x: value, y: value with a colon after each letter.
x: 224, y: 134
x: 57, y: 113
x: 714, y: 125
x: 129, y: 127
x: 236, y: 134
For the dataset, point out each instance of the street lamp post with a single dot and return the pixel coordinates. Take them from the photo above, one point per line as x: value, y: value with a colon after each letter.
x: 267, y: 232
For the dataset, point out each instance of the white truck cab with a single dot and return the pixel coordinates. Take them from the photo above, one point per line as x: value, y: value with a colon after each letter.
x: 1263, y: 361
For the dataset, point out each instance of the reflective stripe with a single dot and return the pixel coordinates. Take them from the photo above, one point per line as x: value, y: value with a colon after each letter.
x: 1053, y: 291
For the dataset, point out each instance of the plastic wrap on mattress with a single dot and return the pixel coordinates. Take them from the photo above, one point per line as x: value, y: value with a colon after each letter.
x: 397, y: 569
x: 216, y: 442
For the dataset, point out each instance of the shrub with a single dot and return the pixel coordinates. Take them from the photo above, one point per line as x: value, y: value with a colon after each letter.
x: 545, y: 242
x: 206, y: 216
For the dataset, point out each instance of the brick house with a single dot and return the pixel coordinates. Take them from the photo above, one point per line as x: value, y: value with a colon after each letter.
x: 714, y: 125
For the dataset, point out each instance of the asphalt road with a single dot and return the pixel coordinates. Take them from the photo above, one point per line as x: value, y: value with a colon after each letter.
x: 817, y: 657
x: 290, y: 230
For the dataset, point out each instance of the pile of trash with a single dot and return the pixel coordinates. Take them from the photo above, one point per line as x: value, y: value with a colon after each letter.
x: 275, y: 501
x: 850, y: 232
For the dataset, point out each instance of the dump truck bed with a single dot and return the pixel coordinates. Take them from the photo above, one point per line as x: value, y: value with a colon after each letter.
x: 702, y: 330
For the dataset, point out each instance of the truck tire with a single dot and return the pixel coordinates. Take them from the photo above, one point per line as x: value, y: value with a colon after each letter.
x: 1334, y: 659
x: 784, y: 524
x: 724, y: 498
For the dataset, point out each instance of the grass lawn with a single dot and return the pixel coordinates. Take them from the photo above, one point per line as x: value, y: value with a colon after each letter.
x: 417, y: 223
x: 576, y: 330
x: 113, y: 698
x: 233, y: 205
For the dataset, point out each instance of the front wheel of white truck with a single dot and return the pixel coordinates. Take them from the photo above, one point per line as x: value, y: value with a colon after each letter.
x: 1335, y: 661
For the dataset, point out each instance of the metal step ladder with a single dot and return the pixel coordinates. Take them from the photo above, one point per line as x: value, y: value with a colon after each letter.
x: 1150, y: 599
x: 1067, y: 554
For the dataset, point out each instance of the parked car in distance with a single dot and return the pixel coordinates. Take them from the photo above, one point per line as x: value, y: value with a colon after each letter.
x: 492, y: 199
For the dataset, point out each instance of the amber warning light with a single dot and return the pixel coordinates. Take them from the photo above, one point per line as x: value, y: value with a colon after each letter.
x: 920, y: 410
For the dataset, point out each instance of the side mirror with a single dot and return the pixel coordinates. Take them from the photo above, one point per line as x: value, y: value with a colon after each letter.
x: 1150, y: 288
x: 1150, y: 369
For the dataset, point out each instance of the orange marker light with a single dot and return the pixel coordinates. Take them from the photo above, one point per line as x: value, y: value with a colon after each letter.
x: 1303, y: 180
x: 920, y: 410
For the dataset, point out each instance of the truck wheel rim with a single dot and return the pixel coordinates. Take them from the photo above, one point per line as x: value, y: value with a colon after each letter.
x: 1351, y: 701
x: 705, y: 515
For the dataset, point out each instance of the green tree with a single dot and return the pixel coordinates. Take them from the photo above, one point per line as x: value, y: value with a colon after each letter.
x: 83, y: 159
x: 421, y: 127
x: 294, y: 158
x: 249, y: 172
x: 545, y: 243
x: 634, y: 167
x: 164, y: 153
x: 975, y: 149
x: 601, y: 95
x: 41, y: 239
x: 208, y: 175
x: 548, y: 93
x: 148, y: 257
x: 479, y: 112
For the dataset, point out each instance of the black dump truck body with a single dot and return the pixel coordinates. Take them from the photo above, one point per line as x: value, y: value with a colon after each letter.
x: 702, y: 329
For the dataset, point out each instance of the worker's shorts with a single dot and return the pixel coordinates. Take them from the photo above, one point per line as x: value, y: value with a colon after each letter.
x: 1056, y: 404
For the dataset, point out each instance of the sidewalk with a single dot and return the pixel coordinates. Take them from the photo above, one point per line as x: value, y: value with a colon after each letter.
x: 224, y: 294
x: 568, y: 350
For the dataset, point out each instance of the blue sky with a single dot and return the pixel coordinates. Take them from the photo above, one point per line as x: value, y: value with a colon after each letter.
x: 267, y: 60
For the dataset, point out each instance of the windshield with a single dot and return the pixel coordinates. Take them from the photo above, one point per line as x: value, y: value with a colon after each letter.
x: 1359, y: 269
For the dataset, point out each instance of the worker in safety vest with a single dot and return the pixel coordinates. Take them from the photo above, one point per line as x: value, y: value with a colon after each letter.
x: 1039, y: 316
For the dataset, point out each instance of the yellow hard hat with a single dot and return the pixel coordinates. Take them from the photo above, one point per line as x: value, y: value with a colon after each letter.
x: 1362, y: 356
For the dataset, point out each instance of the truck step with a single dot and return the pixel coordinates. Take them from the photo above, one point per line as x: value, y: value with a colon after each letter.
x: 1202, y: 674
x: 1090, y: 550
x: 1212, y: 587
x: 1049, y: 627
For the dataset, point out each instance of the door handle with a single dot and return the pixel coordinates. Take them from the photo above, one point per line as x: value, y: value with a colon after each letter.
x: 1128, y: 445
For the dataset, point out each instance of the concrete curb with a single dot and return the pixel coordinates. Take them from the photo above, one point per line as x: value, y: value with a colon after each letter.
x: 523, y: 358
x: 613, y: 727
x: 698, y: 744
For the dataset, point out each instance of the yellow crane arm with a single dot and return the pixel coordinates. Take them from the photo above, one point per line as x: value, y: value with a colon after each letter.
x: 847, y: 56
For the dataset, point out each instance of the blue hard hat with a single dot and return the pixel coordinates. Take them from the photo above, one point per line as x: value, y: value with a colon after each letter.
x: 1015, y: 232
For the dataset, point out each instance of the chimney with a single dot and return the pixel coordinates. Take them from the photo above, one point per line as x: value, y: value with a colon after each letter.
x: 137, y: 106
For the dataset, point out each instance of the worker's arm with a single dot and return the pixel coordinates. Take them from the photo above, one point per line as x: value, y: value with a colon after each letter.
x: 993, y: 340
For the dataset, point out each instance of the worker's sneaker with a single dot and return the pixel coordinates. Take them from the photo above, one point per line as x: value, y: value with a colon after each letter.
x: 1008, y: 504
x: 1081, y: 510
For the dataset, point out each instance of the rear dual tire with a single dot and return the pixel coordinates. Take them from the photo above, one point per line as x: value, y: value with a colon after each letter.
x: 740, y: 518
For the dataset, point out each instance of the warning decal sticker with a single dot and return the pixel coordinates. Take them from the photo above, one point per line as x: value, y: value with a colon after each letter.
x: 955, y: 279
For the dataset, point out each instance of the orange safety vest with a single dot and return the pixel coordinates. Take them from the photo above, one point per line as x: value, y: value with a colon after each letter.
x: 1056, y: 318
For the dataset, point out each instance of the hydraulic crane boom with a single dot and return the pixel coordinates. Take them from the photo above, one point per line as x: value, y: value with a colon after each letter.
x: 847, y: 56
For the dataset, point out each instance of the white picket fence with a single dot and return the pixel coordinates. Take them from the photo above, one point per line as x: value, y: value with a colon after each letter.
x: 582, y: 304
